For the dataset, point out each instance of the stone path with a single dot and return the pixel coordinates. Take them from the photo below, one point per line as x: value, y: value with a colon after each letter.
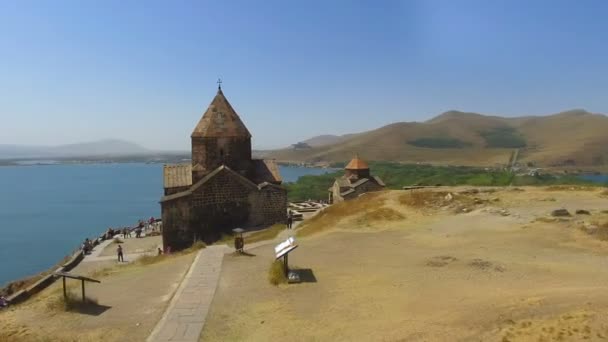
x: 184, y: 319
x: 94, y: 256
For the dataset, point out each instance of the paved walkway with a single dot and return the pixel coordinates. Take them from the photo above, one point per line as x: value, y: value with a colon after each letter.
x: 95, y: 253
x: 184, y: 319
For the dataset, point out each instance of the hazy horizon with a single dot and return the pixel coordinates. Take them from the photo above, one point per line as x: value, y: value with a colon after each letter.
x: 74, y: 72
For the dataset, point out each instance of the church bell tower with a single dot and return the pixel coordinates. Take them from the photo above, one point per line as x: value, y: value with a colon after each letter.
x: 220, y: 138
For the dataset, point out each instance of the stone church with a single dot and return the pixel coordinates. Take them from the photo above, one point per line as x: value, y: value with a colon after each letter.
x: 356, y: 181
x: 223, y: 187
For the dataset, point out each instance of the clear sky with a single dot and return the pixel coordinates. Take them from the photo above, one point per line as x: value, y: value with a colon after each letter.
x: 145, y: 71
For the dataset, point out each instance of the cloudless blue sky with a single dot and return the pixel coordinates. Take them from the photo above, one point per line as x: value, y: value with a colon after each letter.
x: 144, y: 71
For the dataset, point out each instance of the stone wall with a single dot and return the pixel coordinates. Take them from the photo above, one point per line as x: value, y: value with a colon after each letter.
x: 176, y: 222
x: 368, y: 186
x: 269, y: 206
x: 222, y: 203
x: 212, y: 152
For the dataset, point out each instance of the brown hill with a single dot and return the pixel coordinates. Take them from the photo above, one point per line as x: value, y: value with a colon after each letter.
x: 569, y: 138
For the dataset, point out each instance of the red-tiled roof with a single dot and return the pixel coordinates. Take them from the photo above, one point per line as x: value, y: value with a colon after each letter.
x: 357, y: 164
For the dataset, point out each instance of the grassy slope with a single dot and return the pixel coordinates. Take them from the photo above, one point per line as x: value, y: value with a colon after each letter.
x: 395, y: 176
x: 548, y: 140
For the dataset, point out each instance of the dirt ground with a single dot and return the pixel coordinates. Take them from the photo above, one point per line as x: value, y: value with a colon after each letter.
x: 135, y: 245
x: 131, y: 299
x: 499, y: 269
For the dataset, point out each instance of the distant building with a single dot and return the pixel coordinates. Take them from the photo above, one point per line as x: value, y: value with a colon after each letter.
x: 301, y: 146
x: 357, y: 180
x: 223, y: 187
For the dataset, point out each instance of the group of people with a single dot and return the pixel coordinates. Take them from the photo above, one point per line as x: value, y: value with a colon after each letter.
x: 87, y: 246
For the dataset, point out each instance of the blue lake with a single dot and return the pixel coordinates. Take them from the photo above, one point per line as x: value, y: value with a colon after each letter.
x: 603, y: 179
x: 46, y: 211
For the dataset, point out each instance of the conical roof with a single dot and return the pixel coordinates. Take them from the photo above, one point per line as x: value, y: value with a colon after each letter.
x: 357, y: 164
x: 220, y: 120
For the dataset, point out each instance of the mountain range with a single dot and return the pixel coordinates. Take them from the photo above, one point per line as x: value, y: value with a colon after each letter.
x: 87, y: 149
x: 570, y: 138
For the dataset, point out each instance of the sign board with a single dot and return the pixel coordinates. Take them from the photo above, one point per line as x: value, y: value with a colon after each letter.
x: 285, y: 247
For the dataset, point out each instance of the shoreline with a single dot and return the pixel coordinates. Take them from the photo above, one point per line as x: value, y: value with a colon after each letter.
x: 25, y: 287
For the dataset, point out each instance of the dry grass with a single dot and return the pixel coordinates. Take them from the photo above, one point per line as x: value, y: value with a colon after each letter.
x: 330, y: 216
x: 265, y: 234
x: 22, y: 334
x: 419, y: 199
x: 276, y: 273
x: 149, y: 259
x: 436, y: 199
x: 72, y: 302
x: 571, y: 188
x: 601, y: 232
x: 380, y: 214
x: 545, y: 219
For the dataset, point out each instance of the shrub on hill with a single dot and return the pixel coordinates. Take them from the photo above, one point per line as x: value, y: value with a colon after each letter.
x: 503, y: 137
x: 311, y: 187
x: 395, y: 176
x: 439, y: 142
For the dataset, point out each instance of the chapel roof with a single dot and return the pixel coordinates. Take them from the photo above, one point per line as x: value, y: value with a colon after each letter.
x: 266, y: 170
x: 177, y: 175
x: 357, y: 164
x: 220, y: 120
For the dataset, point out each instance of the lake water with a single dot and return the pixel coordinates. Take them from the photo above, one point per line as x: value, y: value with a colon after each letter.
x: 46, y: 211
x: 603, y: 179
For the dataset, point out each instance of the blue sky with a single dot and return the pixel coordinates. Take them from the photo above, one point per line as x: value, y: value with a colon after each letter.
x: 144, y: 71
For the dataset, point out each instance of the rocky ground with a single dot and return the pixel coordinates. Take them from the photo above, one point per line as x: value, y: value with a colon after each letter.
x: 456, y: 264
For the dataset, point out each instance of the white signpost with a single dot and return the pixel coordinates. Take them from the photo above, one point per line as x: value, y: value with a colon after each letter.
x: 283, y: 249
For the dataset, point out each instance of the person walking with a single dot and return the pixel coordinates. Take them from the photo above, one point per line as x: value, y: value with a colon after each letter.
x: 289, y: 221
x: 120, y: 255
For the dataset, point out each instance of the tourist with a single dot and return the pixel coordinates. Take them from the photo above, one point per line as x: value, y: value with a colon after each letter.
x: 160, y: 251
x: 138, y: 232
x: 289, y: 221
x: 120, y: 255
x: 86, y: 246
x: 3, y: 302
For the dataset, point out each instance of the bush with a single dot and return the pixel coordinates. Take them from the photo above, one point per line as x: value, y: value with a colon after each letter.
x: 276, y: 273
x: 311, y: 187
x: 503, y: 137
x: 439, y: 143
